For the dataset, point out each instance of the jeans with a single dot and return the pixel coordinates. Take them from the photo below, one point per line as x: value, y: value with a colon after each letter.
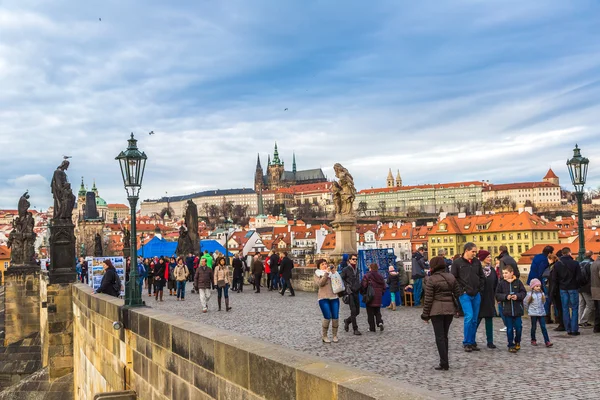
x: 141, y: 284
x: 275, y: 282
x: 542, y: 322
x: 441, y: 326
x: 257, y: 278
x: 354, y: 305
x: 514, y: 329
x: 374, y: 316
x: 181, y: 289
x: 204, y: 297
x: 470, y: 306
x: 238, y: 283
x: 586, y: 308
x: 330, y: 308
x: 269, y: 280
x: 570, y: 302
x: 223, y: 291
x: 417, y: 291
x: 489, y: 329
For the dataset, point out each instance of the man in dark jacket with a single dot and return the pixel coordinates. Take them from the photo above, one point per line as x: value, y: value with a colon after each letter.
x: 506, y: 259
x: 595, y: 290
x: 274, y: 263
x: 257, y: 271
x: 203, y: 283
x: 286, y: 267
x: 568, y: 277
x: 586, y: 304
x: 238, y: 272
x: 471, y: 281
x: 351, y: 277
x: 418, y: 273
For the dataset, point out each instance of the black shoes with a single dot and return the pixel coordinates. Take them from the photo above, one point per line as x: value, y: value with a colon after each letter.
x: 357, y: 332
x: 441, y: 368
x: 491, y: 346
x: 380, y: 325
x: 574, y: 333
x: 468, y: 349
x: 559, y: 328
x: 346, y: 325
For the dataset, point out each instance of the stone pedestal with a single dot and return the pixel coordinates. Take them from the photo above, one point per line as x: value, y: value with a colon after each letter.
x: 62, y: 252
x: 22, y: 302
x: 345, y: 237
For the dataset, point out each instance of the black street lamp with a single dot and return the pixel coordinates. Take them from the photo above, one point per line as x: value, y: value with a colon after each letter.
x: 133, y: 163
x: 578, y: 167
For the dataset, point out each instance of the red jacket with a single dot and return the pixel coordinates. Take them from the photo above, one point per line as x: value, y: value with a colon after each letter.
x: 267, y: 265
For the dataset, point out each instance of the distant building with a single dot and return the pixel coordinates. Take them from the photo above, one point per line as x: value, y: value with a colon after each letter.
x: 545, y: 193
x: 120, y: 210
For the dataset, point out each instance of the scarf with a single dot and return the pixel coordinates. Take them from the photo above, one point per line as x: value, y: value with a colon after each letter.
x: 487, y: 270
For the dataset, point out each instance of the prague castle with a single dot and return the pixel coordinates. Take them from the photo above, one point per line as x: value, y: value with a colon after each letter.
x: 277, y: 177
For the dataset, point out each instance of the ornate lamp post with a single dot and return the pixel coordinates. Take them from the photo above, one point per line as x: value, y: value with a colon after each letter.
x: 578, y: 167
x: 132, y: 162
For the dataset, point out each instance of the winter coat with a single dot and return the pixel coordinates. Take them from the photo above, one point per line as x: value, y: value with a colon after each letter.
x: 222, y: 273
x: 511, y: 308
x: 585, y: 264
x: 595, y: 279
x: 257, y: 267
x: 535, y: 308
x: 351, y: 278
x: 268, y: 265
x: 488, y: 296
x: 275, y: 264
x: 567, y: 273
x: 506, y: 259
x: 203, y: 278
x: 440, y: 290
x: 323, y: 282
x: 469, y: 275
x: 189, y: 262
x: 538, y: 266
x: 110, y: 280
x: 160, y: 271
x: 418, y: 266
x: 393, y: 281
x: 238, y: 268
x: 374, y: 279
x: 181, y: 272
x: 209, y: 260
x: 286, y: 267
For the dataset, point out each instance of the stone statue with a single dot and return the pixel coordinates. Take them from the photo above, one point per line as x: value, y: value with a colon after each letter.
x: 344, y: 193
x: 191, y: 223
x: 184, y: 244
x: 21, y: 239
x: 64, y: 200
x: 126, y: 238
x: 98, y: 245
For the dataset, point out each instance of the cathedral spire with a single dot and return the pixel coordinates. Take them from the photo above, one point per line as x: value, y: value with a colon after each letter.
x: 294, y: 163
x: 390, y: 179
x: 398, y: 179
x: 269, y: 159
x: 94, y: 188
x: 82, y: 189
x: 276, y: 160
x: 258, y: 166
x: 261, y: 208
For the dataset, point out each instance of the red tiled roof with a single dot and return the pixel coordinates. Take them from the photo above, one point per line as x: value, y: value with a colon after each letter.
x: 503, y: 222
x: 428, y: 186
x: 4, y: 252
x: 117, y: 206
x: 521, y: 185
x: 550, y: 174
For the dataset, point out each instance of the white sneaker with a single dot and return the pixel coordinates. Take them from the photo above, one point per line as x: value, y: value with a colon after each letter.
x: 503, y: 329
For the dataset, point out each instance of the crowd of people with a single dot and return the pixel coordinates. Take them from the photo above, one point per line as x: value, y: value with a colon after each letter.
x: 561, y: 290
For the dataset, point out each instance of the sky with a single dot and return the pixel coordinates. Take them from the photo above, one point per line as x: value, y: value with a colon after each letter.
x: 442, y: 90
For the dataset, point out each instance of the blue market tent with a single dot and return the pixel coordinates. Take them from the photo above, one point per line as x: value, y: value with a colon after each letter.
x: 157, y: 247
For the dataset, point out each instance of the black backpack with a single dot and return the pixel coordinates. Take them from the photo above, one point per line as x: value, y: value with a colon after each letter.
x: 584, y: 276
x: 117, y: 284
x: 369, y: 294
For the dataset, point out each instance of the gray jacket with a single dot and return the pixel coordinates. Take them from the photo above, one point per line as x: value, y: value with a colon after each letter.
x: 536, y: 307
x: 595, y: 272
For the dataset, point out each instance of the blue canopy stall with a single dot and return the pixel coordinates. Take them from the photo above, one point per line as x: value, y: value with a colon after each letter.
x: 158, y: 247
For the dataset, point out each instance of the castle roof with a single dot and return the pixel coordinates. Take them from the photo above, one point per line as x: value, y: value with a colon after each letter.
x: 304, y: 175
x: 550, y: 174
x: 207, y: 193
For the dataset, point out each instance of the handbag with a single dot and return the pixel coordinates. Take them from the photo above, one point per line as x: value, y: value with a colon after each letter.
x: 337, y: 284
x: 456, y: 302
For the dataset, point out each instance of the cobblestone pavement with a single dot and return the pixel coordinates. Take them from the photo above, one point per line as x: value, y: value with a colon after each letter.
x: 406, y: 350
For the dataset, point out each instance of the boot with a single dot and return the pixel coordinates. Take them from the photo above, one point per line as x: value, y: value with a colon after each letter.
x: 161, y: 294
x: 170, y: 292
x: 325, y: 330
x: 227, y: 308
x: 156, y: 295
x: 219, y: 301
x: 334, y: 330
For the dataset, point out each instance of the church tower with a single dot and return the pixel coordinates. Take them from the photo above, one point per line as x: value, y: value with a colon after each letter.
x: 390, y: 179
x: 258, y: 175
x: 275, y: 170
x: 398, y: 179
x: 551, y: 177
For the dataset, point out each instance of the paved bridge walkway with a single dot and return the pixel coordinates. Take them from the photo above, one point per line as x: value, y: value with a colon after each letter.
x: 406, y: 349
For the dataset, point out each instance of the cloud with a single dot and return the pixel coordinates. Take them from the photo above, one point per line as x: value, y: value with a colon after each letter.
x: 442, y: 91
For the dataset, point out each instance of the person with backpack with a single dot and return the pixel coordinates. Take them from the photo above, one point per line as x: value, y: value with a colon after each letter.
x: 351, y: 277
x: 568, y: 277
x: 111, y: 283
x: 586, y: 304
x: 373, y: 287
x: 418, y: 273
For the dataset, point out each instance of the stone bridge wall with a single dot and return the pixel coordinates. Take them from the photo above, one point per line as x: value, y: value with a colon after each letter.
x: 165, y: 357
x: 303, y: 279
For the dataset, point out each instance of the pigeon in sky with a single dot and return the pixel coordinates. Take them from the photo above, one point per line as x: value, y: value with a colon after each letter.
x: 151, y: 133
x: 67, y: 157
x: 285, y: 109
x: 100, y: 19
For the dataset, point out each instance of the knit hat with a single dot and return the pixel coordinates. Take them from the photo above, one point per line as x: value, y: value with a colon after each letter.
x: 534, y: 283
x: 482, y: 255
x: 391, y: 268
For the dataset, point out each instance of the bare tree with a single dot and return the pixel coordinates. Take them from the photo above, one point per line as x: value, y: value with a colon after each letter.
x: 513, y: 205
x: 362, y: 208
x: 382, y: 208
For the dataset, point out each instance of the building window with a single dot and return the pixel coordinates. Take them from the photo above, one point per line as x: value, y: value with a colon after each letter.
x: 520, y: 249
x: 526, y: 247
x: 451, y: 251
x: 535, y: 235
x: 503, y: 236
x: 489, y: 238
x: 554, y: 235
x: 518, y: 236
x: 526, y: 235
x: 474, y: 238
x: 481, y: 238
x: 495, y: 238
x: 451, y: 239
x: 511, y: 237
x: 495, y: 249
x: 548, y: 235
x: 512, y: 249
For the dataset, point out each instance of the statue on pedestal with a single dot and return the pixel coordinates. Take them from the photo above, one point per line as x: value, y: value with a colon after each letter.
x: 98, y: 245
x: 21, y: 239
x: 126, y: 238
x: 344, y: 194
x: 64, y: 200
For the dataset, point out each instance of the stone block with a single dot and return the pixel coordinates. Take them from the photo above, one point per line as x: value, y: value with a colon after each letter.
x: 181, y: 388
x: 202, y: 351
x: 231, y: 363
x: 144, y: 326
x: 272, y: 379
x: 180, y: 342
x: 205, y: 380
x: 160, y: 333
x: 228, y: 391
x: 185, y: 368
x: 374, y: 388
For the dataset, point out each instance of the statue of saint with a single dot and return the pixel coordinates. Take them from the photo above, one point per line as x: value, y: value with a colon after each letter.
x: 98, y: 245
x: 191, y: 223
x: 344, y: 192
x: 21, y: 239
x: 64, y: 200
x: 126, y: 238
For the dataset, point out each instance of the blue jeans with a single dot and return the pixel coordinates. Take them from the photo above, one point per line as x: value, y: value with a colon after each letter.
x: 570, y: 300
x: 223, y: 290
x: 275, y: 282
x: 501, y: 313
x: 542, y: 321
x: 470, y: 306
x: 417, y: 291
x: 330, y: 308
x: 514, y: 328
x: 181, y: 289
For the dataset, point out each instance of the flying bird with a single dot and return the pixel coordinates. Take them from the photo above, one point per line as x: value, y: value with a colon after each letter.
x: 67, y: 157
x: 151, y: 133
x: 99, y: 19
x: 285, y: 109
